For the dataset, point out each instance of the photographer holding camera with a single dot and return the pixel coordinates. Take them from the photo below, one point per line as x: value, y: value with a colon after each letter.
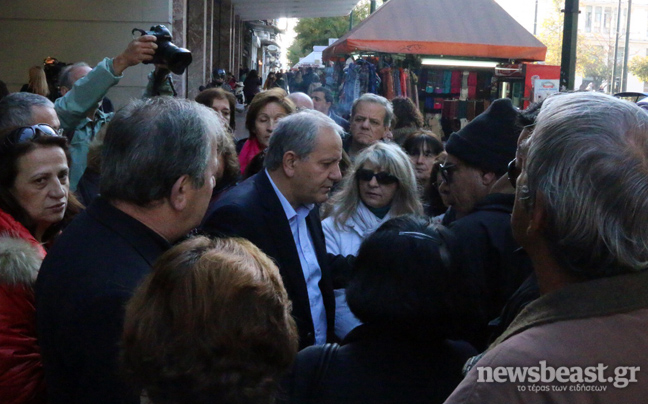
x: 83, y: 88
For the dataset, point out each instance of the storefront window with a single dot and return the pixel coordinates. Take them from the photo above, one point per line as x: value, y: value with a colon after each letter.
x: 607, y: 18
x: 598, y: 13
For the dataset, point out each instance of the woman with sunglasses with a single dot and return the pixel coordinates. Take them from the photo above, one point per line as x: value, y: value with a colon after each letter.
x: 34, y: 205
x: 380, y: 185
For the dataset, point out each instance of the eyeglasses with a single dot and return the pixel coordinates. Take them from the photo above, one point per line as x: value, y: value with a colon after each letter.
x: 383, y: 178
x: 27, y: 133
x: 446, y: 171
x: 513, y: 172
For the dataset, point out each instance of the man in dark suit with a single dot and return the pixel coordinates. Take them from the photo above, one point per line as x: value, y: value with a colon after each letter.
x: 277, y: 210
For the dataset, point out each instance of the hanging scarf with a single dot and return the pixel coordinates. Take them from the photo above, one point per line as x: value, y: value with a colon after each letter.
x: 250, y: 149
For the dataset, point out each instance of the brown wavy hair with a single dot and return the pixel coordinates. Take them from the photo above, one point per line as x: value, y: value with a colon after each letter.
x: 210, y: 324
x: 207, y: 97
x: 260, y: 100
x: 9, y: 171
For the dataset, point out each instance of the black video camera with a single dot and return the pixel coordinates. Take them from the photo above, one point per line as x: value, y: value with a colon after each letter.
x: 177, y: 59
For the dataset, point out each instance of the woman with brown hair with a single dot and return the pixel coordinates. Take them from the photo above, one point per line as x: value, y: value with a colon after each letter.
x: 222, y: 102
x: 408, y: 118
x: 34, y: 205
x: 264, y: 112
x: 423, y: 149
x: 210, y: 324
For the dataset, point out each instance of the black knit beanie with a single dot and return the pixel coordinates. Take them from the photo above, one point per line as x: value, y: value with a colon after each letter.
x: 489, y: 141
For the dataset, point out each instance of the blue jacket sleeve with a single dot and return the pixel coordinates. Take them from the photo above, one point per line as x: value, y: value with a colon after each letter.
x: 86, y: 93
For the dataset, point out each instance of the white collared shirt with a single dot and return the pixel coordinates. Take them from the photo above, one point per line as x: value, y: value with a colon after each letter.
x: 308, y: 259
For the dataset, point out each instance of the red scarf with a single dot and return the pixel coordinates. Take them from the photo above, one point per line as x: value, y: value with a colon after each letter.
x: 250, y: 149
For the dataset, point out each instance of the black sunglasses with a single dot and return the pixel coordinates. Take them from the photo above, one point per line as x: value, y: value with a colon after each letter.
x: 513, y: 172
x: 446, y: 171
x: 382, y: 177
x: 27, y: 133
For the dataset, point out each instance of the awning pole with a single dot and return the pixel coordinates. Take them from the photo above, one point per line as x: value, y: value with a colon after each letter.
x: 626, y: 51
x: 612, y: 84
x: 568, y: 58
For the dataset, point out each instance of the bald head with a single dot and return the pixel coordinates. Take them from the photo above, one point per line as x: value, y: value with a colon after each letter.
x: 71, y: 74
x: 301, y: 100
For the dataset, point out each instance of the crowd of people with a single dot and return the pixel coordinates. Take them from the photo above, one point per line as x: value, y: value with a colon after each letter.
x: 147, y: 255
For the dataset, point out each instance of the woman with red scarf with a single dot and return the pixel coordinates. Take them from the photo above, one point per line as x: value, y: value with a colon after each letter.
x: 266, y: 109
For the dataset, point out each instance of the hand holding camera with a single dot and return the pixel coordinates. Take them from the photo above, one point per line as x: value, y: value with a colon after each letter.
x: 166, y: 53
x: 139, y: 50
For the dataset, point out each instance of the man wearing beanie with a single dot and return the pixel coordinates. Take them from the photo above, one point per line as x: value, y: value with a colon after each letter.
x: 477, y: 156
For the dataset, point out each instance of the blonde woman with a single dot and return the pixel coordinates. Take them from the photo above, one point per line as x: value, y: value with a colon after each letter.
x: 37, y: 82
x: 380, y: 185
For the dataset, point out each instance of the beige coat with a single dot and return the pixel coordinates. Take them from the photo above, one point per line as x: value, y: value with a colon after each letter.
x: 600, y: 324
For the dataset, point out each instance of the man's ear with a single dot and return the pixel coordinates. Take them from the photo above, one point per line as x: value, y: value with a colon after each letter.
x: 290, y: 160
x: 489, y: 178
x: 538, y: 215
x: 178, y: 198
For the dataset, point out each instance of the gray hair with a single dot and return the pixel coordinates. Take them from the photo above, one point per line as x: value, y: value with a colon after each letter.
x: 376, y: 99
x: 151, y: 143
x: 16, y: 109
x: 65, y: 77
x: 297, y: 133
x: 389, y: 157
x: 588, y: 156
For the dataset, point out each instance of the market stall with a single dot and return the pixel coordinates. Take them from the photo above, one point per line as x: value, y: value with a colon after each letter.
x: 451, y: 57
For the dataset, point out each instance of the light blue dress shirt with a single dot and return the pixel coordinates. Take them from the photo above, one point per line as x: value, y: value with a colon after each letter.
x: 308, y: 259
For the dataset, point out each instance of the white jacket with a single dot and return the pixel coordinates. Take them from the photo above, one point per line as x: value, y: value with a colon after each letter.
x: 346, y: 241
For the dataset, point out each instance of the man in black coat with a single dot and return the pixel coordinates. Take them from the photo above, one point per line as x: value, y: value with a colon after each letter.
x: 150, y: 198
x: 477, y: 156
x: 277, y: 211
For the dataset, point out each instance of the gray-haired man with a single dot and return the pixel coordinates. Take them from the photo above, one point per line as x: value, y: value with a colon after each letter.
x: 580, y: 212
x: 276, y: 210
x: 371, y: 117
x: 159, y: 164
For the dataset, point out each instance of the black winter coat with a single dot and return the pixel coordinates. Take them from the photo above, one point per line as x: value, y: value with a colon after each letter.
x: 376, y: 366
x: 493, y: 267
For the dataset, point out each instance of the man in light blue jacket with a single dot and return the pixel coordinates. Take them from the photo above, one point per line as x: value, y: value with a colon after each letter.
x: 83, y: 88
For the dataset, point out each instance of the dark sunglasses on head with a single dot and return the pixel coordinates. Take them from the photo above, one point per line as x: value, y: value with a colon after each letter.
x: 446, y: 171
x: 513, y: 172
x: 437, y: 239
x: 382, y: 177
x: 27, y: 133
